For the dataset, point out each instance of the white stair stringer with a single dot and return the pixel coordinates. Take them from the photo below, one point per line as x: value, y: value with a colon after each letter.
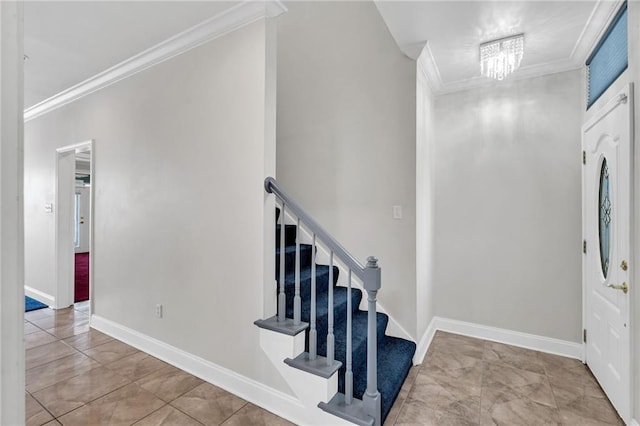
x: 308, y: 388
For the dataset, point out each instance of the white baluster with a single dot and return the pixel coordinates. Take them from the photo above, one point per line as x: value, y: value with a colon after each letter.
x: 313, y: 336
x: 282, y: 300
x: 296, y: 297
x: 348, y: 378
x: 330, y: 337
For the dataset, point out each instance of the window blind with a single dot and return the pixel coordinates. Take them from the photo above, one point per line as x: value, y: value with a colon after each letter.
x: 609, y: 59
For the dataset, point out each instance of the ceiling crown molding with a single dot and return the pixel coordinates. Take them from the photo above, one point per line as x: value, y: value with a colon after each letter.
x: 601, y: 16
x: 218, y: 25
x: 427, y: 64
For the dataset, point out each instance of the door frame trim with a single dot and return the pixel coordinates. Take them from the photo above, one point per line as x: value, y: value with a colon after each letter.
x: 63, y: 211
x: 602, y: 113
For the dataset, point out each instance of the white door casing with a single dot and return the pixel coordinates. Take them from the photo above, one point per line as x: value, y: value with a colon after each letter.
x: 65, y: 229
x: 606, y: 210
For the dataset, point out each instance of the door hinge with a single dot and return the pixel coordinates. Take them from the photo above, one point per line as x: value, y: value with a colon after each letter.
x: 584, y: 335
x: 584, y: 246
x: 584, y: 157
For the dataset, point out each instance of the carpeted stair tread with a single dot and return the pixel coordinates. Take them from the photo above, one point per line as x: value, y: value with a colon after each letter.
x: 290, y: 257
x: 395, y: 357
x: 290, y: 232
x: 359, y: 336
x: 322, y: 278
x: 339, y: 304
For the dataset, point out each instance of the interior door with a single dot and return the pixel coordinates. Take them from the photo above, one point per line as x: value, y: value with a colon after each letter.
x: 606, y: 210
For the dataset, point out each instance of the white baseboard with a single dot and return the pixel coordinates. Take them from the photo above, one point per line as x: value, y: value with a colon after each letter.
x: 634, y: 422
x: 510, y: 337
x: 500, y: 335
x: 424, y: 343
x: 40, y: 296
x: 279, y: 403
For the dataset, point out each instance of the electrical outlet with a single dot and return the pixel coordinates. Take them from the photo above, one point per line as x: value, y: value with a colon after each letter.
x: 158, y: 311
x: 397, y: 212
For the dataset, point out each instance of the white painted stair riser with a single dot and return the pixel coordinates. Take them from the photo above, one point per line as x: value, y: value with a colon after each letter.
x: 308, y: 388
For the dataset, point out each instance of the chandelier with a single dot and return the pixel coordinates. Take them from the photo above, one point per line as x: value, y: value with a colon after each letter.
x: 499, y: 58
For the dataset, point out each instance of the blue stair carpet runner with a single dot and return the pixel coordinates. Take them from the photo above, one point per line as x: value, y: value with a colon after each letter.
x: 394, y: 354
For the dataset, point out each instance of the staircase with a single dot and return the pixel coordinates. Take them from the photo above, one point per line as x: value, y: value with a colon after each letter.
x: 394, y: 355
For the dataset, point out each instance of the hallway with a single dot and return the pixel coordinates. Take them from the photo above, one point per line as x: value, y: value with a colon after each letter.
x: 79, y: 376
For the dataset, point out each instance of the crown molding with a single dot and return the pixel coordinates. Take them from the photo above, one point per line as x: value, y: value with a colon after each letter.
x: 427, y: 64
x: 601, y: 15
x: 521, y: 74
x: 218, y: 25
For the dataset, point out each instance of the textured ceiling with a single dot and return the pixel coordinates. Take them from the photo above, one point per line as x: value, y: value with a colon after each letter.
x: 69, y: 42
x: 558, y: 34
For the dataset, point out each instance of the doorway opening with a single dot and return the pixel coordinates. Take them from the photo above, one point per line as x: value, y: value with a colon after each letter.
x: 82, y: 225
x: 74, y: 226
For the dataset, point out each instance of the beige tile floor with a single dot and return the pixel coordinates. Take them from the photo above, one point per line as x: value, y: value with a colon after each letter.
x: 466, y: 381
x: 79, y: 376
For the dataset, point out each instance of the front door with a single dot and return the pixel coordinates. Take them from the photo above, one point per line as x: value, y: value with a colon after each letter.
x: 606, y: 207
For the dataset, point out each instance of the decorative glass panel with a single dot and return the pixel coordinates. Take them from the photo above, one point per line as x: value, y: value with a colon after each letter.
x: 604, y: 217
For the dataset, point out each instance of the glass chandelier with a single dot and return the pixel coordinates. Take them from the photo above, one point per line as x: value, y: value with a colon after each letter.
x: 499, y: 58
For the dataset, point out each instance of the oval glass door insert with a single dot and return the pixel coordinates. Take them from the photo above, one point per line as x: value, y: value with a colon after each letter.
x: 604, y: 217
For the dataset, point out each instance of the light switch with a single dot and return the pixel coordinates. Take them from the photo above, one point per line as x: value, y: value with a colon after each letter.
x: 397, y: 212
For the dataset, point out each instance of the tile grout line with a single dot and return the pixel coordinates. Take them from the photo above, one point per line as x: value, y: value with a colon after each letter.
x: 484, y: 369
x: 395, y: 421
x: 177, y: 408
x: 166, y: 404
x: 40, y: 404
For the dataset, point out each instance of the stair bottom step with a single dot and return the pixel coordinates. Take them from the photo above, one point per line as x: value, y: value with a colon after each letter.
x: 395, y: 359
x: 353, y: 412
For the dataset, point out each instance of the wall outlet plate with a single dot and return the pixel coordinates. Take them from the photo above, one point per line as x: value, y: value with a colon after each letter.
x: 397, y: 212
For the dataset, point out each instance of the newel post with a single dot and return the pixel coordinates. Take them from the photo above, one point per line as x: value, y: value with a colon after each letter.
x: 371, y: 399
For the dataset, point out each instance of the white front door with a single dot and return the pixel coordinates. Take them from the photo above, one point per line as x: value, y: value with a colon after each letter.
x: 606, y: 208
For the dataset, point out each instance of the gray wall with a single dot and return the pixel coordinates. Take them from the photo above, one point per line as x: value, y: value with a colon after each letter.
x: 507, y: 206
x: 180, y: 155
x: 346, y: 136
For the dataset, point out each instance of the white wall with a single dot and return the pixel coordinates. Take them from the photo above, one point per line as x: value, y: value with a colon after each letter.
x: 425, y: 163
x: 180, y: 155
x: 12, y: 400
x: 507, y: 206
x: 346, y: 136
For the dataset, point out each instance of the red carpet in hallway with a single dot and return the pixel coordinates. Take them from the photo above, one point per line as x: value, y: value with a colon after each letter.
x: 82, y: 277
